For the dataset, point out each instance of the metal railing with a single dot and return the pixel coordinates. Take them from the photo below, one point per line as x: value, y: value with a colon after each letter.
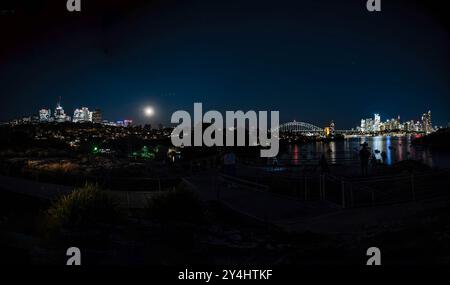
x: 350, y: 192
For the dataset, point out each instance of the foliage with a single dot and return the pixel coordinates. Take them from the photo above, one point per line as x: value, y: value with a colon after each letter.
x: 84, y: 208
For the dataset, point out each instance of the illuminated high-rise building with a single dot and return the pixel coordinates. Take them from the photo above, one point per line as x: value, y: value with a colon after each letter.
x: 45, y: 115
x: 427, y: 126
x: 60, y: 116
x: 97, y: 116
x: 376, y: 123
x: 82, y: 115
x: 369, y: 125
x: 363, y: 125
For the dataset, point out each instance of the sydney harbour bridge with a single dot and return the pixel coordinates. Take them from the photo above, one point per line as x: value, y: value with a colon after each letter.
x: 306, y: 129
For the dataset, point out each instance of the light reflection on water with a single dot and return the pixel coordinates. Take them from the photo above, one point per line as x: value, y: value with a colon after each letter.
x: 347, y: 151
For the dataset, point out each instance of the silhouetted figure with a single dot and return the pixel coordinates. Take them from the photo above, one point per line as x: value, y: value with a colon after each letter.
x: 364, y: 155
x: 374, y: 160
x: 323, y: 163
x: 274, y: 163
x: 229, y: 164
x: 384, y: 156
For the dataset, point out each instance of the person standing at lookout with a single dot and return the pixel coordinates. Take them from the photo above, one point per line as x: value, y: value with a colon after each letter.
x: 229, y: 163
x: 364, y: 155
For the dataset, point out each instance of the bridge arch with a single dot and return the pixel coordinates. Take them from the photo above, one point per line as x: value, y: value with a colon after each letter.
x: 298, y: 127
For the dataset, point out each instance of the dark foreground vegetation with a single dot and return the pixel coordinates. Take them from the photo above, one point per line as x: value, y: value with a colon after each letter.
x: 176, y: 228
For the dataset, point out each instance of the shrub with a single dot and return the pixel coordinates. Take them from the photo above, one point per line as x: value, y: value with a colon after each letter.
x: 179, y: 204
x: 84, y: 208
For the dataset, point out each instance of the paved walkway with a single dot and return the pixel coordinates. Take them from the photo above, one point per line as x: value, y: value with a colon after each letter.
x: 47, y: 191
x: 258, y: 204
x: 295, y: 215
x: 40, y: 190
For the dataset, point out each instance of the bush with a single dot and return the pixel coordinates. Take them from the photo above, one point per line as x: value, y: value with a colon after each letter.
x: 179, y: 204
x: 85, y: 208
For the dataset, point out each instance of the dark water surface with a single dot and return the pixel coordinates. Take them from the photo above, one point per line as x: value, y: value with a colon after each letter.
x: 396, y: 148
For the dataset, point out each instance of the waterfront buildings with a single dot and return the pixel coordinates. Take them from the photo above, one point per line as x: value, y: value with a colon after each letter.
x: 427, y: 126
x: 376, y: 125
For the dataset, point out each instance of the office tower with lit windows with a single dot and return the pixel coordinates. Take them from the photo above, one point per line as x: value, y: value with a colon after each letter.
x: 60, y: 115
x: 376, y: 123
x: 427, y: 126
x: 82, y: 115
x: 45, y: 115
x: 363, y: 126
x: 369, y: 125
x: 97, y: 116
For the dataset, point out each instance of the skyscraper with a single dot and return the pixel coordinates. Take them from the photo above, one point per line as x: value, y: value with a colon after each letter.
x: 97, y: 116
x: 44, y: 115
x: 376, y: 124
x: 427, y: 126
x: 60, y: 116
x: 82, y: 115
x: 368, y: 125
x: 363, y: 125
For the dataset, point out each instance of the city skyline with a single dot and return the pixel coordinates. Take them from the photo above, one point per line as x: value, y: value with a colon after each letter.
x: 276, y: 135
x: 138, y: 113
x: 368, y: 125
x: 296, y: 57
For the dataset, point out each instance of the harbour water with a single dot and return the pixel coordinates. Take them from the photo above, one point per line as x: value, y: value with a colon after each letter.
x: 346, y: 151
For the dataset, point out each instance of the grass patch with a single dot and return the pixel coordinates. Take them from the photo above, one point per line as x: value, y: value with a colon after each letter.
x: 85, y: 208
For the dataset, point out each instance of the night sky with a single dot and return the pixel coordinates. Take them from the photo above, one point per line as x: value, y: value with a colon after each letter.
x: 312, y: 60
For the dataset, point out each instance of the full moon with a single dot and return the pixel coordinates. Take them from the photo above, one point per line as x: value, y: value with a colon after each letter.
x: 149, y: 111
